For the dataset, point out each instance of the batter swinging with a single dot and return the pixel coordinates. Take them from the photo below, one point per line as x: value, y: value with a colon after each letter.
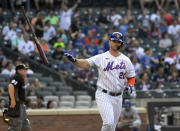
x: 116, y: 75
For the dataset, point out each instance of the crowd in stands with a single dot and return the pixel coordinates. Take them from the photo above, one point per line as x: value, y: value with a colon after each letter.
x: 152, y: 36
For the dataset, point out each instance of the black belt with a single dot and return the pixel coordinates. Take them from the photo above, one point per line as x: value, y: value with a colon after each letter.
x: 112, y: 93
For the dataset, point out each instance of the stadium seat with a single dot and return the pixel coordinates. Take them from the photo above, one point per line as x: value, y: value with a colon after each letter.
x: 68, y: 89
x: 66, y: 105
x: 68, y: 98
x: 62, y: 93
x: 76, y: 93
x: 57, y: 84
x: 82, y: 104
x: 4, y: 84
x: 84, y: 98
x: 51, y: 98
x: 49, y: 89
x: 44, y: 93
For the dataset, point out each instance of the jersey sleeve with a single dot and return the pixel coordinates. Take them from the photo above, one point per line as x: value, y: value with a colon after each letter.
x: 14, y: 82
x: 94, y: 61
x: 130, y: 70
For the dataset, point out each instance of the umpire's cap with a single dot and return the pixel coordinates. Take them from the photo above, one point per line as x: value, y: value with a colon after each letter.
x: 21, y: 66
x: 117, y: 36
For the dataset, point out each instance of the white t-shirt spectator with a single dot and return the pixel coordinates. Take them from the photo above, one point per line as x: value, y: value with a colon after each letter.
x: 49, y: 33
x: 155, y: 17
x: 10, y: 35
x: 164, y: 43
x: 5, y: 30
x: 139, y: 52
x: 115, y: 19
x: 65, y: 19
x: 8, y: 72
x: 172, y: 30
x: 26, y: 48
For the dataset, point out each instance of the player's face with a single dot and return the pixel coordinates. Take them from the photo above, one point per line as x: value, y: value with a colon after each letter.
x: 23, y: 72
x: 114, y: 44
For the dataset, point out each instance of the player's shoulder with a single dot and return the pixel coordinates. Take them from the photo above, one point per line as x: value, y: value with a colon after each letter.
x: 125, y: 57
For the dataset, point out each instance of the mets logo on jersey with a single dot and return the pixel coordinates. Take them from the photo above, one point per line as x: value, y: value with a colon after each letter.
x: 111, y: 66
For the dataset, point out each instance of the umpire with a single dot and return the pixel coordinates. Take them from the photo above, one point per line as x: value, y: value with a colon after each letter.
x: 16, y: 110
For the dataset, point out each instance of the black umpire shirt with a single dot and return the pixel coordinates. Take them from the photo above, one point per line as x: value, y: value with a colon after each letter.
x: 19, y: 84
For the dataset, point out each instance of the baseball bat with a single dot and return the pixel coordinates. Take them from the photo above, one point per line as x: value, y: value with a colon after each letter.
x: 36, y: 41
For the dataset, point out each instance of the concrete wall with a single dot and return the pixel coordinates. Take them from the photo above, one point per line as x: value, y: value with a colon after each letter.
x: 68, y: 120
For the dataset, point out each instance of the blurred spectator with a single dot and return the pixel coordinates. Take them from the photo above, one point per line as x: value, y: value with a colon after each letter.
x: 35, y: 18
x: 49, y: 3
x: 176, y: 2
x: 159, y: 76
x: 143, y: 2
x: 61, y: 34
x: 159, y: 88
x: 31, y: 93
x: 137, y: 48
x: 173, y: 53
x: 65, y: 16
x: 85, y: 75
x: 75, y: 26
x: 33, y: 105
x: 2, y: 104
x: 129, y: 118
x: 177, y: 37
x: 52, y: 18
x: 165, y: 42
x: 1, y: 91
x: 156, y: 17
x: 144, y: 83
x: 173, y: 78
x: 29, y: 71
x: 137, y: 65
x: 115, y: 18
x: 44, y: 45
x: 148, y: 59
x: 143, y: 24
x: 3, y: 60
x: 39, y: 27
x: 92, y: 49
x: 69, y: 49
x: 36, y: 2
x: 50, y: 105
x: 103, y: 18
x: 9, y: 70
x: 40, y: 102
x: 173, y: 29
x: 91, y: 36
x: 26, y: 46
x: 91, y: 26
x: 36, y: 84
x: 11, y: 33
x: 78, y: 41
x: 17, y: 40
x: 1, y: 16
x: 123, y: 27
x: 66, y: 67
x: 58, y: 53
x: 163, y: 27
x: 129, y: 17
x: 49, y: 31
x: 160, y: 3
x: 59, y: 43
x: 154, y: 32
x: 89, y: 16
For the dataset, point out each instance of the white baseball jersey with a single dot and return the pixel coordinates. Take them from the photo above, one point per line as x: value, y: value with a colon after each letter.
x: 113, y: 71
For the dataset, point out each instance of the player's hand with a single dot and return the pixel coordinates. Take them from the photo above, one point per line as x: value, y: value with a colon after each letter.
x: 128, y: 89
x: 13, y: 103
x: 70, y: 57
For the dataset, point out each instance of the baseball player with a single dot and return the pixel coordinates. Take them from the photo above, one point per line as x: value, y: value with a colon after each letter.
x: 116, y: 75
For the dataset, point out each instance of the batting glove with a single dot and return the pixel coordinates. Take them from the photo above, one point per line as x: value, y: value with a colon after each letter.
x: 128, y: 89
x: 70, y: 57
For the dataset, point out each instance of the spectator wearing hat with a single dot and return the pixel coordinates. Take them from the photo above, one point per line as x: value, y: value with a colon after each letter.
x: 129, y: 118
x: 58, y: 53
x: 17, y: 40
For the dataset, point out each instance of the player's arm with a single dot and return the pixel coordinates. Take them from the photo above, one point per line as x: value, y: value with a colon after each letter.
x: 81, y: 63
x: 11, y: 95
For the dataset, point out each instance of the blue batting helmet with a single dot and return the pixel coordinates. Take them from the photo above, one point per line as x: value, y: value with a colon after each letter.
x: 117, y: 36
